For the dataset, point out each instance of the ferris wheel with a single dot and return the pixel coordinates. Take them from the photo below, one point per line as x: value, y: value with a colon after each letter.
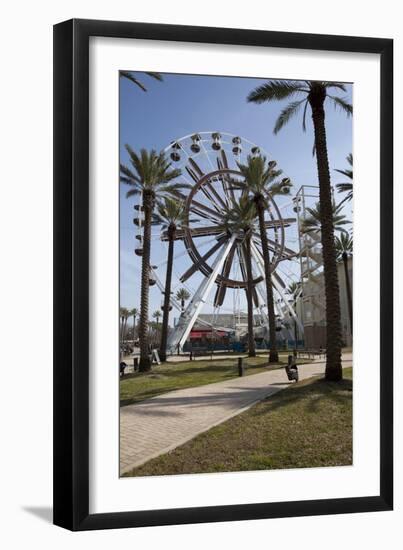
x: 209, y: 163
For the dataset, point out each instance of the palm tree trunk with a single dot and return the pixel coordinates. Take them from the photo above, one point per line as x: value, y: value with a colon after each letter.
x: 182, y: 305
x: 167, y: 295
x: 348, y: 290
x: 145, y: 363
x: 249, y: 298
x: 120, y: 336
x: 273, y: 356
x: 333, y: 324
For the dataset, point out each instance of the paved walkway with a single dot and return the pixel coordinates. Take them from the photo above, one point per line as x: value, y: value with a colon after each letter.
x: 160, y: 424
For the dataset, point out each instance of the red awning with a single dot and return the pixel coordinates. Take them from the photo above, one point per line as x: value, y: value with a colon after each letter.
x: 206, y: 333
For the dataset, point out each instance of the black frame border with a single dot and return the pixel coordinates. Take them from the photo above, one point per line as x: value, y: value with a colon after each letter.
x: 71, y: 274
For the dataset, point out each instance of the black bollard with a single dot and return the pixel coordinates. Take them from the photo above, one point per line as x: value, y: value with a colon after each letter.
x: 240, y: 366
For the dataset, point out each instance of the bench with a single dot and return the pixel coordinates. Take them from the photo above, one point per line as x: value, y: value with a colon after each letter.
x: 311, y: 353
x: 197, y: 352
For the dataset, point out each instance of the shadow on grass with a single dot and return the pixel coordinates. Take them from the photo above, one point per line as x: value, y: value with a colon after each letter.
x: 166, y: 372
x: 164, y: 379
x: 320, y: 389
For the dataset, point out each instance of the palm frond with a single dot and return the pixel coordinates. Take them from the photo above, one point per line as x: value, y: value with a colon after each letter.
x: 182, y: 294
x: 280, y: 187
x: 304, y: 117
x: 342, y: 104
x: 129, y: 76
x: 127, y: 181
x: 312, y: 222
x: 157, y: 76
x: 347, y: 173
x: 132, y: 192
x: 343, y: 245
x: 275, y: 90
x: 287, y: 113
x: 338, y: 85
x: 171, y: 212
x: 126, y: 173
x: 346, y: 187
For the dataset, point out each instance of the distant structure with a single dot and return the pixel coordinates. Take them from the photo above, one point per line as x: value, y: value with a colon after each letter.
x: 311, y: 301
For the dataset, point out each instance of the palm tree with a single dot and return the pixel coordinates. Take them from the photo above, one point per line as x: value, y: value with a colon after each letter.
x: 259, y: 181
x: 130, y: 75
x: 171, y: 214
x: 156, y: 315
x: 347, y: 187
x: 150, y: 173
x: 344, y: 249
x: 133, y: 313
x: 123, y: 315
x: 315, y: 94
x: 312, y: 222
x: 182, y: 295
x: 240, y: 218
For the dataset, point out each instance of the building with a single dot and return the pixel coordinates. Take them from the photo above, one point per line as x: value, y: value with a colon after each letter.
x: 311, y: 308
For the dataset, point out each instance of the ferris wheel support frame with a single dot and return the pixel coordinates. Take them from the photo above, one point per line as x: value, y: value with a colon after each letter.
x: 187, y: 319
x: 174, y: 303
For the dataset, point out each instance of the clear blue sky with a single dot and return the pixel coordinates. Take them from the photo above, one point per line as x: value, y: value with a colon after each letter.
x: 185, y: 104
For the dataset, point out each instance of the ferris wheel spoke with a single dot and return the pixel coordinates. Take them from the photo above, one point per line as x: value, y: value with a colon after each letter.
x: 195, y: 232
x: 196, y: 167
x: 201, y: 209
x: 207, y: 189
x: 203, y: 214
x: 230, y: 188
x: 226, y: 270
x: 192, y: 174
x: 258, y: 243
x: 207, y: 185
x: 224, y: 159
x: 287, y: 253
x: 198, y: 263
x: 215, y: 195
x: 226, y: 184
x: 279, y: 280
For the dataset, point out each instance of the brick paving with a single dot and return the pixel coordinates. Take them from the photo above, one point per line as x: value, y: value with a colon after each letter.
x: 160, y: 424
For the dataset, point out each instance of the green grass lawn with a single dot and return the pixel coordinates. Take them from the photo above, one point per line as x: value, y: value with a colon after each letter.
x: 174, y: 376
x: 306, y: 425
